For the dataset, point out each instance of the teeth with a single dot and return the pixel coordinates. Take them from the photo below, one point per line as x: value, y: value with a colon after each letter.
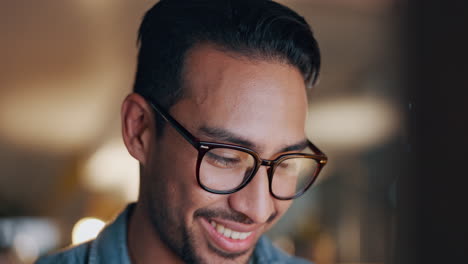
x: 220, y: 229
x: 235, y: 235
x: 228, y: 232
x: 243, y: 235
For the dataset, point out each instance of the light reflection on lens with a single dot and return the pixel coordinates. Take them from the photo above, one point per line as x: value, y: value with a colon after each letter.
x: 225, y: 169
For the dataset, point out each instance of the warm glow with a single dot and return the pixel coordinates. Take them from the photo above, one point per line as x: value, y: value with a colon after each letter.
x: 112, y: 169
x: 86, y: 229
x: 57, y: 115
x: 353, y: 123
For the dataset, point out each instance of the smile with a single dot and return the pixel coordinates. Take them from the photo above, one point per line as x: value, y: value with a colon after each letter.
x: 229, y: 237
x: 229, y: 233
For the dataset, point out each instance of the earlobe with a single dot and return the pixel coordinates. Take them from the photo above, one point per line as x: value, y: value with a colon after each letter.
x: 136, y: 126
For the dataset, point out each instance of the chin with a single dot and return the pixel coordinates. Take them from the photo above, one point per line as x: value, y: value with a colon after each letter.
x: 200, y: 248
x: 216, y: 256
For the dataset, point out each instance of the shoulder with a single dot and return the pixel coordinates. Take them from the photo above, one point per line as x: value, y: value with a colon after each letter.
x: 266, y: 252
x: 75, y: 255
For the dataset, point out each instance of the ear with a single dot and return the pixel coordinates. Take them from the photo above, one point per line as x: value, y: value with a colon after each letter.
x: 137, y: 126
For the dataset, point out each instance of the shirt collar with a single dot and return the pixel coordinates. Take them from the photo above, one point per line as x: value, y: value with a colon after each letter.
x: 111, y: 244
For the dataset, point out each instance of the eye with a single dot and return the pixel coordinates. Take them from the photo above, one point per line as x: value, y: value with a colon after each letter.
x: 287, y: 165
x: 222, y: 161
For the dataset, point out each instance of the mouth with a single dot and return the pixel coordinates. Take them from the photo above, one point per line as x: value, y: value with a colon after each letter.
x: 227, y: 236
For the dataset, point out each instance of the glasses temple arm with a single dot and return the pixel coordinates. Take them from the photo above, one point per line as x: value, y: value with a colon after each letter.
x: 176, y: 125
x: 318, y: 151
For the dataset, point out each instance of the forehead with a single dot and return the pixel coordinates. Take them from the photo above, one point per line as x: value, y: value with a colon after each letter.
x: 249, y: 97
x: 220, y: 69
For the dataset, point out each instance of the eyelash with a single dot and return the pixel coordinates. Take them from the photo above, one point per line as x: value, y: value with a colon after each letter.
x: 222, y: 160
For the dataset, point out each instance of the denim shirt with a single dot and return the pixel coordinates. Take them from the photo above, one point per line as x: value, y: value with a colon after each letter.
x: 110, y: 246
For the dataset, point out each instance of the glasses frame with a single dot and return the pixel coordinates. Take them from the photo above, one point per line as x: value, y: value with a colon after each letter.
x: 204, y: 146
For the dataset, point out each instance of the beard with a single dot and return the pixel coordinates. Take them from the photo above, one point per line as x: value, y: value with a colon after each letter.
x: 171, y: 232
x: 179, y: 238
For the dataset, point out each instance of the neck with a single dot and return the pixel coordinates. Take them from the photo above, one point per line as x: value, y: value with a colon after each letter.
x: 144, y: 244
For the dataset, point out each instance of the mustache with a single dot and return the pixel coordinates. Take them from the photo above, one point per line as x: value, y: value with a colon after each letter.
x: 229, y: 215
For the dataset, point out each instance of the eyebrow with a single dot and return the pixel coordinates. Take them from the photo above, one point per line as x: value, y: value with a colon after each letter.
x: 224, y: 135
x: 296, y: 147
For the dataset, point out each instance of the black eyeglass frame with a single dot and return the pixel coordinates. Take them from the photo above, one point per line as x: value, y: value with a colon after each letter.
x: 204, y: 146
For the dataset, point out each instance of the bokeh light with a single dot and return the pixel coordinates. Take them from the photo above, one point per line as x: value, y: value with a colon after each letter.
x: 86, y: 229
x: 112, y: 169
x: 26, y: 247
x: 355, y: 124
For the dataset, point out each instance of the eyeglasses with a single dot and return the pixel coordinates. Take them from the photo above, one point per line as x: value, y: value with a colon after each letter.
x: 227, y: 168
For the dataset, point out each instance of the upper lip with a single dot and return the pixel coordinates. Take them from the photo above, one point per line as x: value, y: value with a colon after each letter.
x: 235, y: 226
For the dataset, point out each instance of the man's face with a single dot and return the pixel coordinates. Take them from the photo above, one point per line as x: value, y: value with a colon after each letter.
x: 261, y: 102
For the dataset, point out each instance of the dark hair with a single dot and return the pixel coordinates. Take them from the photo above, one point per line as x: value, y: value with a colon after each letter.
x: 259, y: 29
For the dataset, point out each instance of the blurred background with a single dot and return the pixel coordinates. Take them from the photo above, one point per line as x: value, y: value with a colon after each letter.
x: 64, y: 171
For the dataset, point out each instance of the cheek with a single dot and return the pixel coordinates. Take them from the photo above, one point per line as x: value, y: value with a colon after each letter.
x: 170, y: 172
x: 177, y: 171
x: 178, y: 160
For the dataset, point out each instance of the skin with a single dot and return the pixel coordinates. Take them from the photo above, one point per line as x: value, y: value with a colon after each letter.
x: 261, y: 101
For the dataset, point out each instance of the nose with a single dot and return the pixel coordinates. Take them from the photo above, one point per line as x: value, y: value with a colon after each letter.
x: 254, y: 200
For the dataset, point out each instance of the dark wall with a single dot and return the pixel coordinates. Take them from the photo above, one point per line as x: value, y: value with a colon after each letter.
x: 433, y: 196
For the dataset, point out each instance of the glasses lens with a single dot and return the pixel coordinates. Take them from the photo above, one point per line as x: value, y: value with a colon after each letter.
x: 224, y: 169
x: 293, y: 175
